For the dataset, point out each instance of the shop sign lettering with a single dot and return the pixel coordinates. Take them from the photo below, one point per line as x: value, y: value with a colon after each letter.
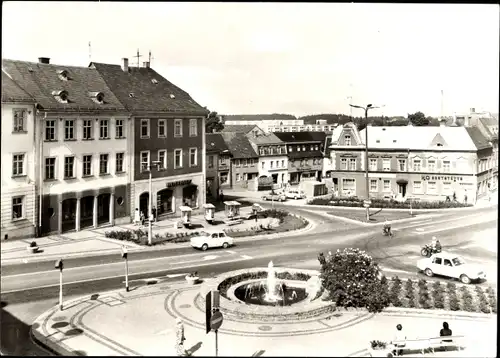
x: 179, y: 183
x: 440, y: 177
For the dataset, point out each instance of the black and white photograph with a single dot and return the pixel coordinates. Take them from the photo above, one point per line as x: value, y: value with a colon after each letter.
x: 263, y: 179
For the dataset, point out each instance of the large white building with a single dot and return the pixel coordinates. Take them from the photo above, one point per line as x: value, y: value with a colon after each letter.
x: 18, y: 200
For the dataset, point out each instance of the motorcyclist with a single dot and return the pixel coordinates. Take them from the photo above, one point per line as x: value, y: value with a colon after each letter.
x: 435, y: 245
x: 387, y: 227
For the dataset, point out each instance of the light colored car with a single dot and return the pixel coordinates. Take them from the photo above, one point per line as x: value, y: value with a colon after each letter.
x: 295, y: 194
x: 275, y: 196
x: 450, y: 265
x: 210, y: 240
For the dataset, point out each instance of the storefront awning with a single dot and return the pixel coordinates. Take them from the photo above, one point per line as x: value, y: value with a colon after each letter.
x: 402, y: 181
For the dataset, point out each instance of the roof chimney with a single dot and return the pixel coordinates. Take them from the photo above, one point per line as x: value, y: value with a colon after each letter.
x: 45, y: 60
x: 145, y: 64
x: 125, y: 64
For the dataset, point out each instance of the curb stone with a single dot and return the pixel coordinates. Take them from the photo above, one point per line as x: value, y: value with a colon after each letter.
x: 13, y: 261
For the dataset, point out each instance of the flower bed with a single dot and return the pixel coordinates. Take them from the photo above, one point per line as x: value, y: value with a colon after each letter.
x: 141, y: 236
x: 436, y: 295
x: 287, y: 222
x: 383, y: 204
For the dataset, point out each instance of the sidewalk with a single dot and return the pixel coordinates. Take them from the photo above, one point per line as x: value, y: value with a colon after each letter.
x: 92, y: 242
x: 142, y: 322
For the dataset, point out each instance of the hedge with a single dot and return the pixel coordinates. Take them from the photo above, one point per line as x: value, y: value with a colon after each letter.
x: 386, y: 204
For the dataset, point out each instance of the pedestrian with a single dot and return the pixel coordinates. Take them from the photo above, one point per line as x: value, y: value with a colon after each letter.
x: 137, y: 216
x: 445, y: 331
x: 143, y: 218
x: 454, y: 196
x: 180, y: 338
x: 465, y: 197
x: 221, y: 196
x: 399, y: 341
x: 154, y: 213
x: 321, y: 259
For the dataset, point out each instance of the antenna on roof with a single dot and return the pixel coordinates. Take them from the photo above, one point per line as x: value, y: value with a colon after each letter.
x: 90, y: 52
x: 150, y: 58
x: 138, y: 58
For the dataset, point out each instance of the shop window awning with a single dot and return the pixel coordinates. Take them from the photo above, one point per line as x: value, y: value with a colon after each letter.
x: 402, y: 181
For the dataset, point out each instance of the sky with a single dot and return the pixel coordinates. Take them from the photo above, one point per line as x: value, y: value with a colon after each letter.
x: 295, y: 58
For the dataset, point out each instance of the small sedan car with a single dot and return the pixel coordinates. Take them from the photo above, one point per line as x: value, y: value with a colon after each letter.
x: 275, y: 196
x: 450, y: 265
x: 295, y: 194
x: 210, y: 240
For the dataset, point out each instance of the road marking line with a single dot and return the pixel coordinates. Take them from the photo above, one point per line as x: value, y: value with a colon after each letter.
x: 455, y: 227
x: 246, y: 257
x: 210, y: 257
x: 116, y: 276
x: 420, y: 229
x: 394, y: 270
x: 231, y: 251
x: 107, y: 264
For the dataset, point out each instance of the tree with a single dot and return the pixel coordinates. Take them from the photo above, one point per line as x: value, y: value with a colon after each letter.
x: 213, y: 123
x: 418, y: 119
x: 352, y: 279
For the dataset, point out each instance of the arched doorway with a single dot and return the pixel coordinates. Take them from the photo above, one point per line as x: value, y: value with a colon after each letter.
x: 190, y: 195
x: 103, y: 208
x: 144, y: 203
x: 86, y: 211
x: 164, y: 201
x: 68, y: 215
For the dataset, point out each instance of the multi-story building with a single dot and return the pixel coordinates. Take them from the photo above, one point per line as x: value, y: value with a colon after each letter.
x: 244, y: 163
x: 305, y: 155
x: 484, y: 171
x: 267, y: 122
x: 425, y: 162
x: 81, y: 142
x: 243, y: 128
x: 273, y: 159
x: 168, y: 138
x: 18, y: 199
x: 218, y: 170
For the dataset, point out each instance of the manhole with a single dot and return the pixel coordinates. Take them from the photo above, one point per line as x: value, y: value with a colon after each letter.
x: 265, y: 328
x: 59, y: 325
x: 59, y: 319
x: 185, y: 306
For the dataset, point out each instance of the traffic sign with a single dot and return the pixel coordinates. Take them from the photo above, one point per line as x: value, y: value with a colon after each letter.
x: 367, y: 203
x: 216, y: 320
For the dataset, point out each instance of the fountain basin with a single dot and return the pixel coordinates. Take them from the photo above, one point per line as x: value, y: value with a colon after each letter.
x: 241, y: 293
x: 233, y: 308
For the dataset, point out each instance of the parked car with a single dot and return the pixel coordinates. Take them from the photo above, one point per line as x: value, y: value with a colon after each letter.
x: 295, y: 194
x: 274, y: 195
x: 450, y: 265
x: 210, y: 240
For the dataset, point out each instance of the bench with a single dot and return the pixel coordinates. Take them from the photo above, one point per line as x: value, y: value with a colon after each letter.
x: 423, y: 344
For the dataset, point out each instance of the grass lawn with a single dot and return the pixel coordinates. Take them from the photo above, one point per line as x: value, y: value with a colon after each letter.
x: 376, y: 216
x: 290, y: 223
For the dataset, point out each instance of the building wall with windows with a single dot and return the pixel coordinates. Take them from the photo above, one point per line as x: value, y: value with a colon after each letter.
x: 243, y: 170
x: 212, y: 173
x: 18, y: 198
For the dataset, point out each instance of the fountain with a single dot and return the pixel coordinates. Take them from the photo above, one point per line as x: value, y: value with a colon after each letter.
x: 271, y: 289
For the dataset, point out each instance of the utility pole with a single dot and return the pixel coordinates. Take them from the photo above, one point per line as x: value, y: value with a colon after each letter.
x: 90, y: 52
x: 138, y: 58
x: 151, y: 58
x: 150, y: 223
x: 367, y: 180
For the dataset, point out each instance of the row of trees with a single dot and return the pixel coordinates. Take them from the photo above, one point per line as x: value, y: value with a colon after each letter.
x: 214, y: 123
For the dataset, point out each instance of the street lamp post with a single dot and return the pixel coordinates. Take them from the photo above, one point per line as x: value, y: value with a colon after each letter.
x: 366, y: 109
x: 150, y: 224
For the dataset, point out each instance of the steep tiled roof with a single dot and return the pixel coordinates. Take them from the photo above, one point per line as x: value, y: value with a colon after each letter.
x: 244, y: 128
x: 480, y: 141
x: 335, y: 135
x: 266, y: 138
x: 418, y: 138
x: 42, y: 80
x: 143, y: 89
x: 11, y: 92
x: 328, y: 143
x: 291, y: 137
x: 257, y: 117
x: 489, y: 121
x: 215, y: 143
x: 239, y: 145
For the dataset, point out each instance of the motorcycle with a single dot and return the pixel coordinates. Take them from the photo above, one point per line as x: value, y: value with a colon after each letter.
x: 387, y: 231
x: 428, y: 250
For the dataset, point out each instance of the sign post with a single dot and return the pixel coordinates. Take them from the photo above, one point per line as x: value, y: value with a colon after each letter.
x: 125, y: 256
x: 59, y: 265
x: 215, y: 323
x: 208, y: 310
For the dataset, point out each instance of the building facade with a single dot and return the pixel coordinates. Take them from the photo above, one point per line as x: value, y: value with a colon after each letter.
x: 218, y: 170
x: 273, y: 159
x: 305, y: 155
x: 267, y: 122
x: 168, y: 130
x: 19, y: 210
x: 244, y: 162
x: 82, y: 142
x: 427, y: 163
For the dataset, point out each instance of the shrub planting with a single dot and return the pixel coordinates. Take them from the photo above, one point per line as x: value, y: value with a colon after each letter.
x: 467, y: 300
x: 395, y: 292
x: 410, y: 293
x: 351, y: 278
x: 423, y: 293
x: 389, y: 204
x: 438, y: 295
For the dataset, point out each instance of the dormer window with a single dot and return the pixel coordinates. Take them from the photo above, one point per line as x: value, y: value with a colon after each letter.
x: 172, y: 96
x: 63, y: 75
x: 97, y: 97
x: 61, y: 96
x: 155, y: 81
